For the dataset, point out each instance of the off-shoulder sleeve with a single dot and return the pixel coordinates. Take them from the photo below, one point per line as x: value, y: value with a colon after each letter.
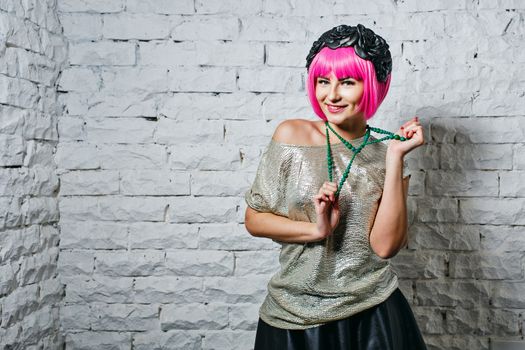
x: 268, y: 192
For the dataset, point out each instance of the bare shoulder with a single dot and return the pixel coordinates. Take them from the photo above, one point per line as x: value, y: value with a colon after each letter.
x: 298, y: 132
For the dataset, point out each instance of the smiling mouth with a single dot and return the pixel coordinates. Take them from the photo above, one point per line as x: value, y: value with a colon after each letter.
x: 335, y: 109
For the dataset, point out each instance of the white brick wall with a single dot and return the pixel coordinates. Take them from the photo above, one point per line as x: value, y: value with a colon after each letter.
x: 32, y: 55
x: 167, y: 106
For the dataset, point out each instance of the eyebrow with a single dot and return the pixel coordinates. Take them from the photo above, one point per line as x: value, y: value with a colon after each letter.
x: 322, y: 77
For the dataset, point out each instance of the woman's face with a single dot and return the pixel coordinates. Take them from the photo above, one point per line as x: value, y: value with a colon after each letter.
x: 338, y: 99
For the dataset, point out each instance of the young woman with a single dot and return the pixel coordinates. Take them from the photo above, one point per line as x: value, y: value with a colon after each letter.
x: 334, y: 197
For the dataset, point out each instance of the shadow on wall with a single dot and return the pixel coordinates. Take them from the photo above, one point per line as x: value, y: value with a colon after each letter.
x: 461, y: 268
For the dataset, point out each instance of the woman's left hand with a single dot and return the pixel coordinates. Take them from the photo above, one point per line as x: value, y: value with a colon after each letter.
x: 413, y: 131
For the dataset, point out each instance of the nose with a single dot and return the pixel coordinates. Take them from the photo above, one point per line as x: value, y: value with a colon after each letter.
x: 333, y: 94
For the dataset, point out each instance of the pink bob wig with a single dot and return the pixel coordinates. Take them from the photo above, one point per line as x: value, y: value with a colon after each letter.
x: 345, y: 63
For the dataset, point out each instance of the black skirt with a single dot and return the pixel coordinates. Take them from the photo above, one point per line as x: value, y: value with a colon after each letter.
x: 389, y: 325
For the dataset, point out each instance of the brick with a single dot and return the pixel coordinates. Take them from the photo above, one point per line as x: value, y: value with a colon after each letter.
x: 130, y: 263
x: 413, y: 5
x: 271, y: 79
x: 174, y: 132
x: 203, y: 79
x: 251, y: 263
x: 89, y: 182
x: 112, y: 208
x: 120, y: 130
x: 69, y: 316
x: 489, y: 103
x: 477, y: 131
x: 79, y: 79
x: 485, y: 157
x: 39, y: 210
x: 194, y: 316
x: 11, y: 213
x: 77, y: 156
x: 91, y: 6
x: 102, y: 53
x: 154, y: 182
x: 273, y: 28
x: 276, y: 106
x: 457, y: 342
x: 166, y: 289
x: 444, y: 236
x: 228, y: 340
x: 81, y: 26
x: 197, y: 28
x: 136, y: 26
x: 199, y: 262
x: 463, y: 183
x: 474, y: 322
x: 21, y: 302
x: 234, y: 290
x: 9, y: 281
x: 76, y: 263
x: 28, y: 65
x: 518, y: 160
x: 99, y: 289
x: 430, y: 320
x: 18, y: 92
x: 124, y: 317
x: 248, y: 132
x: 504, y: 322
x: 510, y: 184
x: 508, y: 295
x: 419, y: 265
x: 226, y: 158
x: 502, y: 238
x: 286, y: 54
x: 136, y: 104
x: 129, y: 156
x: 436, y: 209
x: 13, y: 147
x: 71, y: 129
x: 492, y: 211
x: 247, y: 7
x: 160, y: 6
x: 148, y: 235
x: 162, y: 340
x: 468, y: 294
x: 99, y: 340
x: 93, y: 234
x: 134, y: 80
x: 486, y: 266
x: 194, y: 106
x: 192, y: 53
x: 203, y: 209
x: 19, y: 242
x: 231, y: 237
x: 37, y: 267
x: 219, y: 183
x: 12, y: 119
x: 244, y: 316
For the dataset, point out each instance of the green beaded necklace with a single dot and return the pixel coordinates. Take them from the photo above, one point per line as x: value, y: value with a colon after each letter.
x: 355, y: 150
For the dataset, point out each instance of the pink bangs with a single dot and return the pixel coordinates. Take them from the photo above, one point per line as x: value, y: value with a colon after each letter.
x: 345, y: 63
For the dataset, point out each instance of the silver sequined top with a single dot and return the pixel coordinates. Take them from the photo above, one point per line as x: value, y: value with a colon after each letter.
x: 337, y: 277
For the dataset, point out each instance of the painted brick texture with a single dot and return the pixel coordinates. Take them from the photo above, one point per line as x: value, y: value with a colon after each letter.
x: 132, y: 128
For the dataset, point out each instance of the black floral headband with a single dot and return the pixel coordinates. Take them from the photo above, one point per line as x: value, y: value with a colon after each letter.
x: 367, y: 45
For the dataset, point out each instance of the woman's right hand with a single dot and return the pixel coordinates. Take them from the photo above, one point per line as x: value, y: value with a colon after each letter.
x: 327, y: 210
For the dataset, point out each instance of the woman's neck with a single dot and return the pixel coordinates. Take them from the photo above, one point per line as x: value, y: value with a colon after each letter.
x: 350, y: 129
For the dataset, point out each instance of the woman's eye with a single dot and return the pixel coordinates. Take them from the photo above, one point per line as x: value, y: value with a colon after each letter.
x: 348, y: 82
x: 322, y: 82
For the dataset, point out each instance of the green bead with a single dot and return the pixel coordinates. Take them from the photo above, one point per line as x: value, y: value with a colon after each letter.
x: 397, y: 137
